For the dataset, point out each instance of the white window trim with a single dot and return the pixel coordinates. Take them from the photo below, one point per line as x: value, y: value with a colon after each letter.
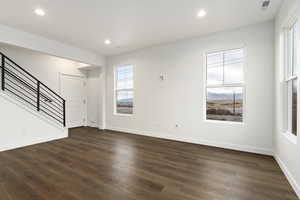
x: 290, y: 137
x: 243, y: 85
x: 115, y: 92
x: 288, y: 78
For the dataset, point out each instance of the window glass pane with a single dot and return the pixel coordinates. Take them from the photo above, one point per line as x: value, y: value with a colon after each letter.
x: 295, y: 48
x: 124, y: 102
x: 125, y: 77
x: 294, y: 107
x: 214, y: 59
x: 225, y: 104
x: 233, y: 66
x: 233, y: 56
x: 215, y: 76
x: 214, y: 68
x: 233, y: 73
x: 290, y: 52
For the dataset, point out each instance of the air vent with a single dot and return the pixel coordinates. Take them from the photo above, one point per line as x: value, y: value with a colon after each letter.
x: 265, y: 4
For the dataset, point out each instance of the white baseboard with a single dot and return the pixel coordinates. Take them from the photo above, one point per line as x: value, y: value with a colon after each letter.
x: 288, y: 174
x: 194, y: 141
x: 92, y: 126
x: 43, y: 140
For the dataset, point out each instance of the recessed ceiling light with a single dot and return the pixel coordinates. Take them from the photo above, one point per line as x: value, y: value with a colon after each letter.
x: 39, y: 12
x: 201, y: 13
x: 107, y: 41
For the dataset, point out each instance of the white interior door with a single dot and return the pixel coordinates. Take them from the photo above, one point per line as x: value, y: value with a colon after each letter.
x: 73, y: 90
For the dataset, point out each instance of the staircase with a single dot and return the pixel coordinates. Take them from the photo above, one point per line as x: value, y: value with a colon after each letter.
x: 22, y: 85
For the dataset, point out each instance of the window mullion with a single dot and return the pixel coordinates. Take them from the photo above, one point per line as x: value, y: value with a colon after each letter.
x: 226, y: 85
x: 125, y: 90
x: 291, y: 78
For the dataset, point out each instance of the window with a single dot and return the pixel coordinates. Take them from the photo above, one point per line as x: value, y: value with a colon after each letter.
x: 124, y: 90
x: 291, y: 78
x: 224, y: 85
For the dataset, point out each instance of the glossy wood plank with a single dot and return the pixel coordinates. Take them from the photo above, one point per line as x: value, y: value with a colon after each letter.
x: 95, y: 165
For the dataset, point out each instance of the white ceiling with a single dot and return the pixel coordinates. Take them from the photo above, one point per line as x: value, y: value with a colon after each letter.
x: 130, y: 24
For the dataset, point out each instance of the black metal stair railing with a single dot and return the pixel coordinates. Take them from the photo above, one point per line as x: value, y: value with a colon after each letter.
x: 26, y: 87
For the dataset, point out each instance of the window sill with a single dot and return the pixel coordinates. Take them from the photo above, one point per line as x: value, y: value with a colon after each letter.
x: 224, y: 122
x: 291, y: 137
x: 123, y: 115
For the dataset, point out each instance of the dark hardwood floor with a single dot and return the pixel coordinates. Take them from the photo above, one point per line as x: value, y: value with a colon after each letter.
x: 96, y: 165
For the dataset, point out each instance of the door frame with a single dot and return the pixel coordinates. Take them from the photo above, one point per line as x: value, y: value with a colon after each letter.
x: 84, y: 78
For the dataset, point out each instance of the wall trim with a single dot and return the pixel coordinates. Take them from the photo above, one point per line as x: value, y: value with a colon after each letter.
x: 237, y: 147
x: 288, y: 174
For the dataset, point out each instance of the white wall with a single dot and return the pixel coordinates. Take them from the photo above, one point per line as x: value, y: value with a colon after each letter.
x: 21, y: 126
x: 93, y: 97
x: 286, y: 152
x: 96, y: 97
x: 158, y: 106
x: 46, y: 68
x: 30, y: 128
x: 23, y: 39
